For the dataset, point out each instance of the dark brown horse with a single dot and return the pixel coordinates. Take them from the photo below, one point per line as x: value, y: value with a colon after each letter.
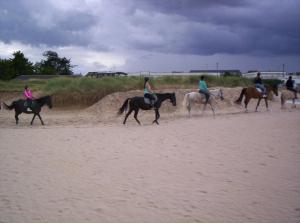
x: 252, y: 92
x: 137, y: 103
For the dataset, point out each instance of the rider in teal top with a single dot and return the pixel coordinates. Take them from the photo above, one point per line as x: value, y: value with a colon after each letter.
x: 148, y: 91
x: 203, y: 89
x: 202, y: 85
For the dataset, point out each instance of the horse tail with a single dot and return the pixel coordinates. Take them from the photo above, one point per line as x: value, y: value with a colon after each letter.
x: 243, y: 92
x: 124, y: 106
x: 9, y: 107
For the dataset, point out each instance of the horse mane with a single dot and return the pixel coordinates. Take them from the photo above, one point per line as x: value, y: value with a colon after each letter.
x: 43, y: 100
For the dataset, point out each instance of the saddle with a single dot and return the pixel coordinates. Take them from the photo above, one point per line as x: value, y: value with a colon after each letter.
x: 259, y: 90
x: 148, y: 101
x: 28, y: 106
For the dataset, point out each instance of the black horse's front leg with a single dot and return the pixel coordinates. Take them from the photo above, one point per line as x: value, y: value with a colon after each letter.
x: 157, y: 115
x: 40, y: 118
x: 32, y: 119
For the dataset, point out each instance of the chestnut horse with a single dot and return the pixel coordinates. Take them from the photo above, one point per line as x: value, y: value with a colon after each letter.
x: 252, y: 92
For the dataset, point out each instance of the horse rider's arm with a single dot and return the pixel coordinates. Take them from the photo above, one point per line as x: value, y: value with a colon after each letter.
x: 149, y: 87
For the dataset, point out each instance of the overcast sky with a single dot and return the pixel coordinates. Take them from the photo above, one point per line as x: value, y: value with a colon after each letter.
x: 155, y: 35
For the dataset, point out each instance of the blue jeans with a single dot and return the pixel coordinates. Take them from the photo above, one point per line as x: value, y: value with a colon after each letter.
x: 206, y: 93
x: 261, y: 87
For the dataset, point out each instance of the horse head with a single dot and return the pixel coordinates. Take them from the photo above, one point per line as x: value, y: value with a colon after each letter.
x: 173, y: 99
x: 48, y: 101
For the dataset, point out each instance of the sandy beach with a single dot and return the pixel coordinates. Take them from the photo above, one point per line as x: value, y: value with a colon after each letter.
x: 79, y: 167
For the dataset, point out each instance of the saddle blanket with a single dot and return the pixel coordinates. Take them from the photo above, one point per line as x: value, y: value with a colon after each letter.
x: 146, y: 100
x: 259, y: 90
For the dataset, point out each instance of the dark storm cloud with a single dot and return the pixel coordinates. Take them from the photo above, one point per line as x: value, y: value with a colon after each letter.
x: 21, y: 23
x: 199, y: 27
x: 235, y: 27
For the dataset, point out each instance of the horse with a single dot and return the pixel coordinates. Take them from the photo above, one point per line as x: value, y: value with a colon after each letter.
x: 37, y: 104
x: 196, y: 97
x: 136, y: 103
x: 252, y: 92
x: 287, y: 95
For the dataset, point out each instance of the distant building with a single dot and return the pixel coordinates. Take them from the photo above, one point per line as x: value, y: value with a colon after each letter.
x: 217, y: 72
x: 266, y: 74
x: 105, y: 74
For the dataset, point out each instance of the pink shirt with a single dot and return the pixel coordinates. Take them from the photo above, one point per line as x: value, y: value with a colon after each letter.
x: 28, y: 94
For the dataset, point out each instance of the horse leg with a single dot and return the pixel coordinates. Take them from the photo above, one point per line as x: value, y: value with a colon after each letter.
x: 258, y: 104
x: 212, y: 108
x: 126, y: 116
x: 40, y: 118
x: 246, y: 101
x: 293, y: 105
x: 189, y: 109
x: 136, y: 111
x: 32, y: 119
x: 282, y: 102
x: 204, y: 107
x: 157, y: 115
x: 17, y: 117
x: 266, y: 100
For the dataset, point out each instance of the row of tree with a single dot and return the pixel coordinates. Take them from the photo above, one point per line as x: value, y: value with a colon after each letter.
x: 20, y: 65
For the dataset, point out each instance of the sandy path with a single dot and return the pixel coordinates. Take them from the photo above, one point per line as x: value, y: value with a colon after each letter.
x: 234, y: 168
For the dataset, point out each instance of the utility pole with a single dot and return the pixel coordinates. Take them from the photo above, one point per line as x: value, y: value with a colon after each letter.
x: 283, y: 70
x: 217, y: 69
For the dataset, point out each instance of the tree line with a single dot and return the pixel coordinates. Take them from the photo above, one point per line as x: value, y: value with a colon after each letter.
x: 52, y: 64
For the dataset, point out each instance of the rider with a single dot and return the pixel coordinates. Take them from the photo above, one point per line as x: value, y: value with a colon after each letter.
x: 29, y: 97
x: 203, y: 89
x: 290, y: 86
x: 148, y: 93
x: 258, y: 84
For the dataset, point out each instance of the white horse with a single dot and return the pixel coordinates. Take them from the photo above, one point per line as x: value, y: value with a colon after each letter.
x: 199, y: 98
x: 286, y: 95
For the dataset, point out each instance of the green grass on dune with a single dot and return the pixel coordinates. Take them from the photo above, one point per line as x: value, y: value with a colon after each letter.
x: 109, y: 85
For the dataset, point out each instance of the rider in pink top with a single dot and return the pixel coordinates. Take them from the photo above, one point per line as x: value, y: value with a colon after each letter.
x: 28, y: 93
x: 29, y: 97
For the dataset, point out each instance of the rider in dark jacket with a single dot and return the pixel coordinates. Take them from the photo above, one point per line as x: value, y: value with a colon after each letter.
x: 258, y: 84
x: 290, y: 86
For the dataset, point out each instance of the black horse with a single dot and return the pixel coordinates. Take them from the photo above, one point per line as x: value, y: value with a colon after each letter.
x: 37, y: 104
x: 137, y: 103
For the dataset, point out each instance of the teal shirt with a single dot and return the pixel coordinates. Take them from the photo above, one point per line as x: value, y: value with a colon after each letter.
x: 146, y: 91
x: 202, y: 85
